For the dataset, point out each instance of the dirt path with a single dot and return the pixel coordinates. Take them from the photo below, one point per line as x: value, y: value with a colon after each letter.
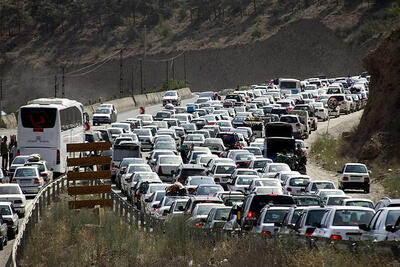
x: 336, y: 127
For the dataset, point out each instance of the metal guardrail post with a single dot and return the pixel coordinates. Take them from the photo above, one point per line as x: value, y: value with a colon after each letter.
x: 58, y: 188
x: 49, y: 195
x: 53, y: 193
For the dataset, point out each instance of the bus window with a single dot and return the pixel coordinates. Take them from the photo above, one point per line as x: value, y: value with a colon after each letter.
x: 38, y: 117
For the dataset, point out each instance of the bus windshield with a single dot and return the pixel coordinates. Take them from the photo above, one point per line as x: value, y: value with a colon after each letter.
x: 38, y: 117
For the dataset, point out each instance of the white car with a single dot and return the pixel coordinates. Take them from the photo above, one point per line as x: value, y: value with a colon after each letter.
x: 272, y: 169
x: 172, y: 97
x: 153, y: 201
x: 13, y: 193
x: 167, y: 165
x: 358, y: 202
x: 200, y: 213
x: 127, y: 176
x: 222, y: 171
x: 241, y: 183
x: 269, y: 217
x: 382, y: 226
x: 29, y: 179
x: 296, y: 184
x: 324, y: 193
x: 320, y: 111
x: 354, y: 176
x: 146, y: 119
x: 316, y: 185
x: 342, y: 223
x: 263, y: 182
x: 10, y: 217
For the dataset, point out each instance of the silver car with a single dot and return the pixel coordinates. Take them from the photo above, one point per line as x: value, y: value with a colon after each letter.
x: 29, y: 179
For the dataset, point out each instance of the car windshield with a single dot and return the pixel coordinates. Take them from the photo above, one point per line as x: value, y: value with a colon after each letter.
x: 244, y: 157
x: 222, y: 214
x: 170, y: 94
x: 289, y: 119
x: 142, y: 132
x: 25, y: 172
x: 352, y: 217
x: 225, y: 169
x: 115, y: 130
x: 202, y: 180
x: 392, y: 217
x: 40, y: 166
x: 358, y: 203
x: 163, y: 114
x: 249, y: 172
x: 148, y: 176
x: 317, y: 186
x: 267, y: 183
x: 208, y: 190
x: 199, y: 138
x: 278, y: 168
x: 314, y: 217
x: 165, y: 145
x: 299, y: 181
x: 204, y: 209
x: 192, y: 172
x: 180, y: 205
x: 103, y: 111
x: 260, y: 164
x: 244, y: 180
x: 171, y: 160
x: 189, y: 126
x: 144, y: 168
x: 145, y: 117
x: 159, y: 196
x: 335, y: 201
x: 307, y: 201
x: 274, y: 216
x: 9, y: 190
x: 19, y: 160
x: 356, y: 169
x: 5, y: 210
x: 254, y: 151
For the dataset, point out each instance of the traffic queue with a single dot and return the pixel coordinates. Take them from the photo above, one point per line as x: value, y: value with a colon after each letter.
x: 236, y: 163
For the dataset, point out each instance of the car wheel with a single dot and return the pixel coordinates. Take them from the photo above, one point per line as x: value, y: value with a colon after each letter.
x: 12, y: 235
x: 366, y: 190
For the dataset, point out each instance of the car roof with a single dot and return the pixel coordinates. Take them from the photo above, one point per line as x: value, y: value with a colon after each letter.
x: 358, y: 199
x: 192, y: 166
x: 351, y: 208
x: 5, y: 203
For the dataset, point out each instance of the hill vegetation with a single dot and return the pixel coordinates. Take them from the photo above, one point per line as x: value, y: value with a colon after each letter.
x: 42, y: 30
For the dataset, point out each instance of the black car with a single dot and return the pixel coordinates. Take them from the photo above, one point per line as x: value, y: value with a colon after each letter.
x: 231, y: 140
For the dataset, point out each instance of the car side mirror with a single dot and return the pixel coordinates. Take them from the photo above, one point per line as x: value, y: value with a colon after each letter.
x: 181, y: 208
x: 364, y: 227
x: 391, y: 228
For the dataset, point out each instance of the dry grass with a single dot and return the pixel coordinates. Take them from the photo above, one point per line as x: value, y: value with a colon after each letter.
x: 68, y: 238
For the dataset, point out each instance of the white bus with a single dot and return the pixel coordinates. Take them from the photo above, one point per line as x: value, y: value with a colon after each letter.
x: 46, y: 125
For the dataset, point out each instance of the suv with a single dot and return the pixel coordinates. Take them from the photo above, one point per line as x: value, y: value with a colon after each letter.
x: 253, y: 205
x: 354, y: 176
x: 186, y: 170
x: 300, y: 130
x: 10, y: 217
x: 231, y: 140
x: 194, y: 200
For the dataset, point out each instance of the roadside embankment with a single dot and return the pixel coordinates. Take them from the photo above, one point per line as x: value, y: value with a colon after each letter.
x: 122, y: 104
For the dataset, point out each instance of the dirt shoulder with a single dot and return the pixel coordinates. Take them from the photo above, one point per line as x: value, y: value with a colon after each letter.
x: 336, y: 127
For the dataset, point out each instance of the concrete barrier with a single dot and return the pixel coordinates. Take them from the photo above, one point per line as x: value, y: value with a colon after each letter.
x: 123, y: 104
x: 140, y: 100
x: 9, y: 121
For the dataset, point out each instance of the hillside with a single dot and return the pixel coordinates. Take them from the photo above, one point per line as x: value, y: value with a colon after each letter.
x: 40, y: 37
x: 378, y: 135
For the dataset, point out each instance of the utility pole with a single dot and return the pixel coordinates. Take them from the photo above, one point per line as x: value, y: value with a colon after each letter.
x: 141, y: 76
x: 121, y: 79
x: 55, y: 86
x: 63, y: 83
x: 184, y: 67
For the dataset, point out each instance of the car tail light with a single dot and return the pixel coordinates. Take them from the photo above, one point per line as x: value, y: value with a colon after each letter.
x: 212, y: 123
x: 14, y: 181
x: 246, y: 162
x: 236, y: 145
x: 289, y: 109
x: 266, y: 232
x: 9, y: 223
x: 197, y: 224
x: 159, y: 170
x: 345, y: 178
x: 18, y: 152
x: 366, y: 180
x: 58, y: 157
x: 273, y: 195
x: 155, y: 208
x: 189, y: 213
x: 344, y: 102
x: 217, y: 180
x: 251, y: 214
x: 123, y: 170
x: 164, y: 213
x: 298, y: 125
x: 289, y: 189
x: 36, y: 181
x: 180, y: 179
x: 113, y: 167
x: 309, y: 234
x: 336, y: 237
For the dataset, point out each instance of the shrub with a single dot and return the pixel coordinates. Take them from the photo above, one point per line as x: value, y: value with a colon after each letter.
x: 256, y: 33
